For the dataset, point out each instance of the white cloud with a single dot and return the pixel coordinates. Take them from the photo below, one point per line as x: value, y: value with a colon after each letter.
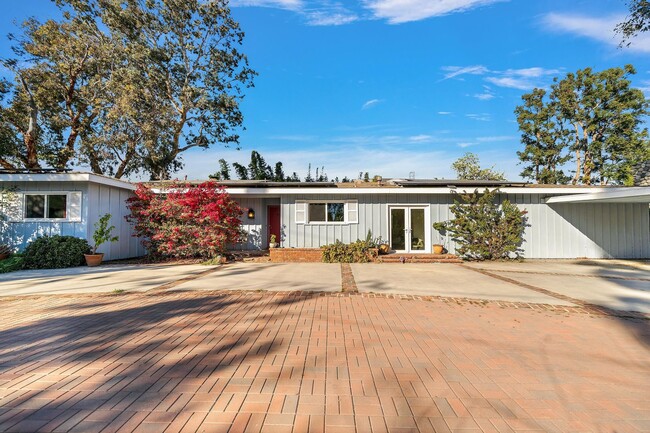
x: 486, y: 95
x: 280, y: 4
x: 483, y: 117
x: 495, y: 138
x: 464, y: 145
x: 597, y: 28
x: 455, y: 71
x: 370, y: 103
x: 322, y: 18
x: 523, y: 79
x: 444, y: 113
x: 402, y: 11
x: 320, y: 13
x: 422, y: 138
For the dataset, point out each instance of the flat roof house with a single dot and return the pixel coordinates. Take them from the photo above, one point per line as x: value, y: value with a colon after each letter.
x: 563, y: 221
x: 66, y: 204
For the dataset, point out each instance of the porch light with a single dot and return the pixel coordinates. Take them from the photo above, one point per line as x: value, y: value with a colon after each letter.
x: 251, y: 214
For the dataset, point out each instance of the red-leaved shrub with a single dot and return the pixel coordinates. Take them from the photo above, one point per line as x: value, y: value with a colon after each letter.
x: 186, y: 220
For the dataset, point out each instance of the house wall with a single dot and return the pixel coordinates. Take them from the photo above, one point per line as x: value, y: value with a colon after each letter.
x: 103, y: 199
x: 568, y: 230
x: 19, y: 234
x: 96, y: 200
x: 257, y: 228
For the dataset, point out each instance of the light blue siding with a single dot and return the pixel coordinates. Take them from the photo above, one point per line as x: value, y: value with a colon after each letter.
x: 563, y: 230
x: 96, y: 200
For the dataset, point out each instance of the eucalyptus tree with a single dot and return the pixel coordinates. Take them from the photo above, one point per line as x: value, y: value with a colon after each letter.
x: 597, y: 116
x: 638, y: 21
x: 124, y: 86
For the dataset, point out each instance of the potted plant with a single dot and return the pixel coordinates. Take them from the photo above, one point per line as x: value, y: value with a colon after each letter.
x: 103, y: 233
x: 273, y: 242
x: 439, y: 247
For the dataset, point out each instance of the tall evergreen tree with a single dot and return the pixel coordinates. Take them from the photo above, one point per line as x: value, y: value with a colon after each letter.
x: 224, y: 171
x: 278, y: 173
x: 545, y: 140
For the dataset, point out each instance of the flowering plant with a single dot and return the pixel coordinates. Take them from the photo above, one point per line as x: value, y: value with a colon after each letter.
x: 185, y: 220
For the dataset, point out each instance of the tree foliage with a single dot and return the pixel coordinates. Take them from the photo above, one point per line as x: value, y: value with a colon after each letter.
x: 123, y: 86
x: 483, y: 229
x: 593, y: 119
x: 186, y: 221
x: 468, y: 167
x: 638, y: 21
x: 544, y: 139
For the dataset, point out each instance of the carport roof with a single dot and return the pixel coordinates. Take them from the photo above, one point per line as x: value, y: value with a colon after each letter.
x: 619, y: 195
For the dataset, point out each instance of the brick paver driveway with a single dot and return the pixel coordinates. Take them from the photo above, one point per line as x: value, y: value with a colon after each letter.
x: 229, y: 361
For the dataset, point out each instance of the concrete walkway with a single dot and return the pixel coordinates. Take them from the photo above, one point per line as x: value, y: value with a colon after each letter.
x: 101, y: 279
x: 282, y: 277
x: 441, y: 280
x: 620, y: 285
x: 616, y: 284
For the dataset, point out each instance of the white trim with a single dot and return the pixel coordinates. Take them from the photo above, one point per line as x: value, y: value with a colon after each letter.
x: 325, y: 202
x: 428, y: 244
x: 67, y: 177
x: 67, y: 195
x: 262, y: 192
x: 619, y: 195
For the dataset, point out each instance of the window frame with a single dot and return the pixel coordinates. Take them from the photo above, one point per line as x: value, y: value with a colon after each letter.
x: 326, y: 202
x: 46, y: 194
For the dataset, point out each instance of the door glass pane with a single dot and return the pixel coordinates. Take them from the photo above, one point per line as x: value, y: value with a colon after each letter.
x: 397, y: 226
x: 34, y: 206
x: 417, y: 230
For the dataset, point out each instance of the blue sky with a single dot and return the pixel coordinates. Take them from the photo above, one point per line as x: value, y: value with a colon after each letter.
x: 394, y: 86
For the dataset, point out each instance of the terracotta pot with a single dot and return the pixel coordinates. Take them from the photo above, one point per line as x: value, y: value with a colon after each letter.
x: 438, y: 249
x: 94, y: 259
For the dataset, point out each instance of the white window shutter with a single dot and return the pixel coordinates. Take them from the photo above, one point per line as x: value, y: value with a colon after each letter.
x: 353, y: 211
x: 301, y: 212
x: 13, y: 206
x: 74, y: 206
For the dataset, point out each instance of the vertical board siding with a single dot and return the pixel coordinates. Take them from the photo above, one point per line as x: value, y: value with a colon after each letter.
x: 256, y: 229
x: 18, y: 234
x: 103, y: 199
x: 563, y: 230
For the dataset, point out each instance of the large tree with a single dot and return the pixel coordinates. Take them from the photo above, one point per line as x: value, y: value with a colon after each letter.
x: 597, y: 116
x: 638, y: 21
x: 124, y: 85
x: 468, y: 167
x: 544, y: 138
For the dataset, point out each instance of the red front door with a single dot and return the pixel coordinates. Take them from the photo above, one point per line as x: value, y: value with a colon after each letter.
x: 274, y: 223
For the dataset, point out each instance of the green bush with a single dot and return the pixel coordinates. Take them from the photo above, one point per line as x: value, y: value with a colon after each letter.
x: 483, y: 229
x: 356, y: 252
x: 11, y: 264
x: 53, y: 252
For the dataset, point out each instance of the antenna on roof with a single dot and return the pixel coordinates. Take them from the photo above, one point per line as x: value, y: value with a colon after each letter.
x: 411, y: 175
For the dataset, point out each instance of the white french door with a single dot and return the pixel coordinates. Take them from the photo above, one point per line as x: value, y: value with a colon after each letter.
x: 409, y: 229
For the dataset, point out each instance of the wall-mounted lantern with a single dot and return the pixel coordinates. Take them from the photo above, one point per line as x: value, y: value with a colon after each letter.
x: 251, y: 214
